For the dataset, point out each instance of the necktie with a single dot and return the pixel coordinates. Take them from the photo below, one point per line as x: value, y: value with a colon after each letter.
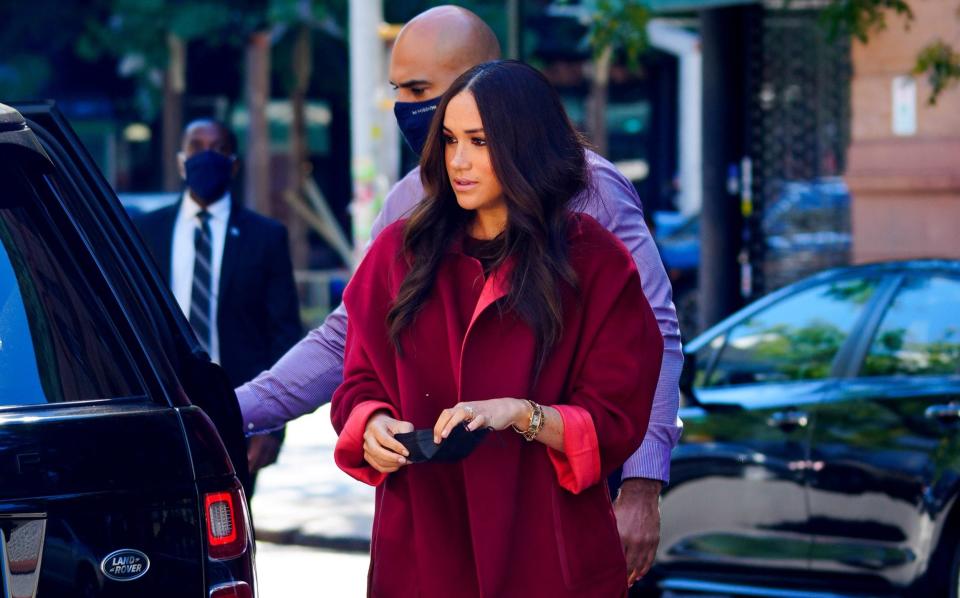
x: 200, y: 298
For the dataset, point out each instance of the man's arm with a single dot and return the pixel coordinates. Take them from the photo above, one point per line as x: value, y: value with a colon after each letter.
x: 306, y: 376
x: 300, y: 382
x: 614, y: 202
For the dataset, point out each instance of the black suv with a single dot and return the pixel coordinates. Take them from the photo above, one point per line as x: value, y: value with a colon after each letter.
x: 120, y: 442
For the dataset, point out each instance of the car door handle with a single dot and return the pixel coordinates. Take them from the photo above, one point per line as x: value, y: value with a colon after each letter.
x: 946, y: 413
x: 28, y: 463
x: 789, y: 420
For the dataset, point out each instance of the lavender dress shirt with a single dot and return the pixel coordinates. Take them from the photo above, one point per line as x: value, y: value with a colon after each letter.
x: 305, y: 378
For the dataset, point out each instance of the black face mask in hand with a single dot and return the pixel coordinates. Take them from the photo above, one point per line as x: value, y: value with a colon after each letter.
x: 457, y: 445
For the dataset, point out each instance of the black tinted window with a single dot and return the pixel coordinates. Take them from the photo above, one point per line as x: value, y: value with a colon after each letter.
x: 920, y: 332
x: 56, y: 341
x: 796, y: 338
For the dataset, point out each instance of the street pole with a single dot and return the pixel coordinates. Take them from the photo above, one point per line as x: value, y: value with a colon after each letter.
x: 724, y: 108
x: 367, y: 74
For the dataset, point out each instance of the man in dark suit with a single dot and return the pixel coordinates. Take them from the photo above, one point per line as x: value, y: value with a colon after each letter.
x: 228, y: 267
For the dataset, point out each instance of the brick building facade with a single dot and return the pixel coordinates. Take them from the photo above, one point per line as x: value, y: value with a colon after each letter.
x: 905, y: 186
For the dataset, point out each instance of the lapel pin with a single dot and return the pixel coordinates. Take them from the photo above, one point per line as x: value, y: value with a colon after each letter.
x: 234, y: 231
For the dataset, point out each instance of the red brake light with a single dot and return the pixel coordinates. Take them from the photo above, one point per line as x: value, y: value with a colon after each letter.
x: 226, y: 527
x: 236, y: 589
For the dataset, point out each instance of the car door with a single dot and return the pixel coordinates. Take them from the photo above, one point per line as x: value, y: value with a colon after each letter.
x: 737, y: 497
x: 184, y: 369
x: 886, y: 450
x: 93, y: 459
x: 182, y: 373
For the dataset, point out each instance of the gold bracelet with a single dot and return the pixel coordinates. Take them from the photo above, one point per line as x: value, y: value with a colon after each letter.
x: 529, y: 421
x: 538, y: 420
x: 534, y: 424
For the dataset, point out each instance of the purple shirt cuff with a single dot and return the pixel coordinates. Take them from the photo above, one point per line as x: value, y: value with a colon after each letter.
x: 257, y: 417
x: 651, y: 461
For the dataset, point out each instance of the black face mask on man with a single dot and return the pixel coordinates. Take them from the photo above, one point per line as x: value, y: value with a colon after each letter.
x: 209, y: 174
x: 414, y: 121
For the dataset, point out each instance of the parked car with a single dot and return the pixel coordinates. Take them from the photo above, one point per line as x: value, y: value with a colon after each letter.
x: 120, y: 442
x: 821, y: 445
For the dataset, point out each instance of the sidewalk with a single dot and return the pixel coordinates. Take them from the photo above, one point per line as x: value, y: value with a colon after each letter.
x: 304, y: 499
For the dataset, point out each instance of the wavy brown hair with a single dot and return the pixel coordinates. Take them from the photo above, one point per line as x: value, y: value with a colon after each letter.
x: 539, y: 161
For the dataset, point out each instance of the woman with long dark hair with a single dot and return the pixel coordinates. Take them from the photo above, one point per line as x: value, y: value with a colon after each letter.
x: 496, y: 309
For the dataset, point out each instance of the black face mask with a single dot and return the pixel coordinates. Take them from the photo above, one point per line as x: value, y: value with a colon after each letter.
x: 454, y: 447
x: 209, y: 174
x: 414, y: 121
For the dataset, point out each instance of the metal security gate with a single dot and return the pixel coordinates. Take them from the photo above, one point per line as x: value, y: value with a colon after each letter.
x: 797, y: 216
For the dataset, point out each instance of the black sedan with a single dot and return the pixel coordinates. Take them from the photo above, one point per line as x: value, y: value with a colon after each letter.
x: 118, y: 436
x: 821, y: 445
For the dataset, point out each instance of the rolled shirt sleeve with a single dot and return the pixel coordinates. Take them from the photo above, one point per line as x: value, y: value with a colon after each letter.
x: 300, y: 382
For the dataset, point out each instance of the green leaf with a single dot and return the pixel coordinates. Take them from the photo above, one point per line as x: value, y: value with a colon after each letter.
x: 860, y: 18
x: 941, y: 63
x: 620, y: 25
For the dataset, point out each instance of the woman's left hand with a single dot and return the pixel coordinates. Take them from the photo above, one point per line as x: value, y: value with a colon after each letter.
x: 496, y: 414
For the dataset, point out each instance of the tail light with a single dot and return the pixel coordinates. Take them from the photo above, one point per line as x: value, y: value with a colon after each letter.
x: 235, y: 589
x: 225, y: 514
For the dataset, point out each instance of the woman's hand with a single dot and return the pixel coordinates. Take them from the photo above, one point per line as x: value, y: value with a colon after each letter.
x: 380, y: 449
x: 496, y: 414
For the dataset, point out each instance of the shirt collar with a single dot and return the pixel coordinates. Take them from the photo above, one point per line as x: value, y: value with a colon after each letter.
x: 219, y: 210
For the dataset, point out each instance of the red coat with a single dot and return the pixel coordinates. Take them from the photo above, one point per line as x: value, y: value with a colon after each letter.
x: 514, y: 518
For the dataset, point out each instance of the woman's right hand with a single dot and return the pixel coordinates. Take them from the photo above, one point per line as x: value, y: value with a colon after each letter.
x: 380, y: 449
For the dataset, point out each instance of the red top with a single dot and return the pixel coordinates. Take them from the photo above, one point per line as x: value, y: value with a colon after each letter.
x: 514, y: 518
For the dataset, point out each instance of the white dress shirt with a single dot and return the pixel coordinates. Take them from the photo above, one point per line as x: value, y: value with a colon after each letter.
x: 183, y: 255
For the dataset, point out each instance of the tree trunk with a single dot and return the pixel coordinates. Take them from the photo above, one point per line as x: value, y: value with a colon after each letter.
x: 299, y: 153
x: 597, y: 101
x: 174, y: 84
x: 257, y: 193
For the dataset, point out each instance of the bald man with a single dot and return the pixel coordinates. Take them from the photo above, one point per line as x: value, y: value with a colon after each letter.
x: 431, y: 51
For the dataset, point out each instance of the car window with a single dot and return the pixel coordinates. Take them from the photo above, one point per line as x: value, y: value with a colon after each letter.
x: 796, y: 338
x: 920, y: 331
x: 703, y: 359
x: 56, y: 342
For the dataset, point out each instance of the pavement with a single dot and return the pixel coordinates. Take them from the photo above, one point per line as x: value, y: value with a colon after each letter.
x: 297, y: 571
x: 304, y: 499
